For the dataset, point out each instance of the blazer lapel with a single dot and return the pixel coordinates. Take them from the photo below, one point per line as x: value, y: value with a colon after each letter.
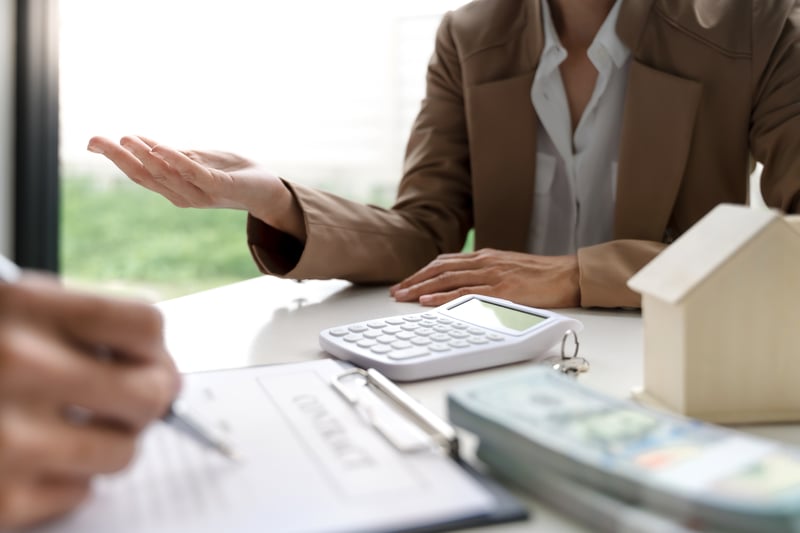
x: 503, y: 141
x: 657, y: 126
x: 503, y: 161
x: 633, y: 16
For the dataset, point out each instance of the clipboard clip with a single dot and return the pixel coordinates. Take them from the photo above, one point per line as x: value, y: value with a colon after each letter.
x: 442, y: 433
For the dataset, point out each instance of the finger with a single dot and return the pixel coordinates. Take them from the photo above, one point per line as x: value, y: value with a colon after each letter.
x: 442, y: 263
x: 440, y: 270
x: 182, y: 187
x: 195, y: 181
x: 148, y: 141
x: 401, y: 290
x: 441, y: 298
x: 217, y: 159
x: 38, y: 441
x: 43, y: 367
x: 445, y: 281
x: 129, y: 328
x: 29, y: 502
x: 123, y: 158
x: 190, y: 169
x: 131, y: 166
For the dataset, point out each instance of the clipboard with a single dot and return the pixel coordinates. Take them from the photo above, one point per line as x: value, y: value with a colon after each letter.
x: 507, y: 508
x: 313, y: 459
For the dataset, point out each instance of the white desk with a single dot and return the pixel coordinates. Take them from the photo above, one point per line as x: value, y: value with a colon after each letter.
x: 268, y: 320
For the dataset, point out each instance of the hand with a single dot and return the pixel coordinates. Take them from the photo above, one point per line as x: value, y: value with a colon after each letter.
x: 66, y: 414
x: 205, y: 179
x: 535, y: 280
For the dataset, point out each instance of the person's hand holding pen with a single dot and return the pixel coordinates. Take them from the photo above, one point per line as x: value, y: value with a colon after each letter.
x: 66, y: 415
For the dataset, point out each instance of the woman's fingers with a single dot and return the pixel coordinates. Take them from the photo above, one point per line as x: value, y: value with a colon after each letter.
x: 184, y: 189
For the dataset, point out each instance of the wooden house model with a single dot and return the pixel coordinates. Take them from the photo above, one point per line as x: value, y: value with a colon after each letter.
x: 721, y: 313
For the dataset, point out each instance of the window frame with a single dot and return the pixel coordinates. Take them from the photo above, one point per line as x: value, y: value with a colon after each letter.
x: 36, y: 157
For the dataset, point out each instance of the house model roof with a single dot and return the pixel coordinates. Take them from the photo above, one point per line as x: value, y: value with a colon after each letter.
x: 706, y: 246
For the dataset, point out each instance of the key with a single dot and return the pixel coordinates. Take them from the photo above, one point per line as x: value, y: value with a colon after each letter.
x: 569, y: 364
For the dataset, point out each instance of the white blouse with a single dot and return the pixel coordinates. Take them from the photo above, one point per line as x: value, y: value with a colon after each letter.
x: 576, y: 175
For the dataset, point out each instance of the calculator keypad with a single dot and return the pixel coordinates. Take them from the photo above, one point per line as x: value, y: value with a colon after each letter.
x: 406, y: 337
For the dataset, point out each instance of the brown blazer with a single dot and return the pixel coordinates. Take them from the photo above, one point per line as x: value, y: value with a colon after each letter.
x: 712, y: 86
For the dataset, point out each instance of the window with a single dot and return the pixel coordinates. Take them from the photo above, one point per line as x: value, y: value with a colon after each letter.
x: 322, y: 93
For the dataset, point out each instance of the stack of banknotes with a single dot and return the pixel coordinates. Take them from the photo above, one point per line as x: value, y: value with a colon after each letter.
x: 618, y: 466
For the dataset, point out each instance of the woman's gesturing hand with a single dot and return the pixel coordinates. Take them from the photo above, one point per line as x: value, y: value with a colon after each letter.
x: 204, y: 179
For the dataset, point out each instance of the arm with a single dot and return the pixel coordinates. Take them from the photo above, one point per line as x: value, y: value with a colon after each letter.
x: 775, y: 118
x: 299, y: 232
x: 605, y: 269
x: 432, y: 213
x: 47, y: 370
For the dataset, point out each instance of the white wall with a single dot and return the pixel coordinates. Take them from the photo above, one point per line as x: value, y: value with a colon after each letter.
x: 7, y: 46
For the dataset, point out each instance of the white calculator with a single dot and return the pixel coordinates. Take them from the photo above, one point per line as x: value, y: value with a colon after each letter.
x: 467, y: 333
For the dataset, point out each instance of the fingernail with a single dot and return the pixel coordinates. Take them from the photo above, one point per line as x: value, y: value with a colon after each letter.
x: 425, y: 299
x: 94, y: 149
x: 402, y: 293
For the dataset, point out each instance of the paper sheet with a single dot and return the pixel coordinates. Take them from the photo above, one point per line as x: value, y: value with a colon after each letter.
x: 309, y: 463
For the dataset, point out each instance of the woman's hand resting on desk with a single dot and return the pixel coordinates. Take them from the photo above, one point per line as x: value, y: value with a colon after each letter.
x: 535, y: 280
x: 205, y: 179
x: 65, y: 414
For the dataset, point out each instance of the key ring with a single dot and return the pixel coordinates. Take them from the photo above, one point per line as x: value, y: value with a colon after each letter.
x: 564, y: 344
x: 571, y: 365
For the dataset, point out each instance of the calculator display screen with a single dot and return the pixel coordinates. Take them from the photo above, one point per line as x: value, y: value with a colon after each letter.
x: 491, y: 315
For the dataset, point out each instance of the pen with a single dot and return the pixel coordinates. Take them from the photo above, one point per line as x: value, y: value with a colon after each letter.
x: 183, y: 422
x: 175, y: 416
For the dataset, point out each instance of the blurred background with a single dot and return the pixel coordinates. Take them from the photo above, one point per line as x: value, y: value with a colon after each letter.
x: 322, y: 93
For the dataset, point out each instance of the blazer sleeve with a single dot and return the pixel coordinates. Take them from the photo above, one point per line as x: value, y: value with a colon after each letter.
x: 775, y: 117
x: 605, y: 269
x: 432, y: 214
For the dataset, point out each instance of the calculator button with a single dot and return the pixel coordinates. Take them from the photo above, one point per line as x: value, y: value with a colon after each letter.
x: 458, y: 343
x: 366, y: 343
x: 412, y: 318
x: 395, y: 321
x: 427, y: 323
x: 456, y: 334
x: 420, y: 341
x: 410, y: 327
x: 358, y: 328
x: 460, y: 325
x: 475, y: 331
x: 424, y: 331
x: 373, y: 333
x: 494, y: 337
x: 392, y: 330
x: 401, y: 345
x: 339, y: 332
x: 352, y: 337
x: 441, y: 329
x: 386, y: 339
x: 430, y: 316
x: 477, y: 340
x: 408, y: 353
x: 439, y: 347
x: 440, y: 337
x: 445, y: 320
x: 381, y: 348
x: 405, y: 335
x: 377, y: 324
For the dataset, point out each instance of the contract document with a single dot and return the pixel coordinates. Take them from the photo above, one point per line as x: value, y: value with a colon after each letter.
x: 306, y: 461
